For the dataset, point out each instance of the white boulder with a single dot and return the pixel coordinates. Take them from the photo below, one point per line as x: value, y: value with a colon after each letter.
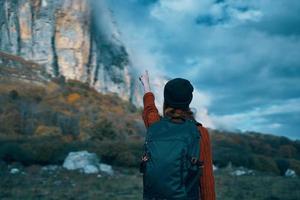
x: 241, y: 171
x: 14, y: 171
x: 87, y: 163
x: 106, y: 169
x: 290, y: 173
x: 238, y: 172
x: 90, y: 169
x: 81, y: 160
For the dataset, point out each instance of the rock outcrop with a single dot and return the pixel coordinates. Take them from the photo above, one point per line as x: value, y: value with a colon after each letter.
x: 77, y: 39
x: 16, y: 68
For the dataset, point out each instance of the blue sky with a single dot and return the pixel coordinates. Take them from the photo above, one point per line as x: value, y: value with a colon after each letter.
x: 243, y: 56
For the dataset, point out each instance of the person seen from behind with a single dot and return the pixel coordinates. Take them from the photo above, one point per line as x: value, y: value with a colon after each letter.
x: 177, y: 158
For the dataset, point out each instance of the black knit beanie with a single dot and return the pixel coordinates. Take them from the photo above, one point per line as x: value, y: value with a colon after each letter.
x: 178, y: 93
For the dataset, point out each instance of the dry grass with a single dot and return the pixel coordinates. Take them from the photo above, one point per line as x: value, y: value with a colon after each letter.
x: 62, y: 184
x: 127, y: 184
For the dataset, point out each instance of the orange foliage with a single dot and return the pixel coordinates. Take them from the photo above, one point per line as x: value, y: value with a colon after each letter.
x: 47, y: 131
x: 68, y: 138
x: 73, y: 97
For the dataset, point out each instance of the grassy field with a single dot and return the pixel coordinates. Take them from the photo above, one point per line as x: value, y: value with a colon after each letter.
x: 34, y: 183
x: 258, y: 187
x: 62, y: 184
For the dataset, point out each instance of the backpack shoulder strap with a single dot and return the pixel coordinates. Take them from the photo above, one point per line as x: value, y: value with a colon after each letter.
x: 196, y: 162
x: 197, y: 123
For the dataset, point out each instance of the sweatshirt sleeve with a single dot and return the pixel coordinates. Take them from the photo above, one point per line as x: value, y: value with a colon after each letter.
x: 207, y: 183
x: 150, y: 112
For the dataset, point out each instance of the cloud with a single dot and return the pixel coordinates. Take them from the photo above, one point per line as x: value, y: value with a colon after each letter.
x: 280, y: 17
x: 199, y: 106
x: 228, y: 15
x: 165, y: 9
x: 242, y: 56
x: 256, y: 118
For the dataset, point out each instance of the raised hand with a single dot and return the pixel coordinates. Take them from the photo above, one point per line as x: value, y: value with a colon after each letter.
x: 144, y: 78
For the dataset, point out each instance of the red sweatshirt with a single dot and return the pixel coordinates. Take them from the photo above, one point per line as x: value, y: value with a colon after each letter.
x: 207, y: 185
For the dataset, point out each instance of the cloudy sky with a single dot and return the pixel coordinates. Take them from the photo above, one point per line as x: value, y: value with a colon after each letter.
x: 243, y: 56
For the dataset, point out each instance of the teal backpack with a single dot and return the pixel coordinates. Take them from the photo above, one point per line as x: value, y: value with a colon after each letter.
x: 170, y: 163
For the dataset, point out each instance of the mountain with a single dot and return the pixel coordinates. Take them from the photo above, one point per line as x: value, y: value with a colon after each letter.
x: 77, y: 39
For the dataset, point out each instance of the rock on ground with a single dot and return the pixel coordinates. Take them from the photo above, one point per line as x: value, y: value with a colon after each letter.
x: 106, y: 169
x: 14, y: 171
x: 86, y: 162
x: 290, y: 173
x: 80, y: 159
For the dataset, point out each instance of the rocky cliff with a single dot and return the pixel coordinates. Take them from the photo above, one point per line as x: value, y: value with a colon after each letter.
x: 15, y: 68
x: 74, y: 38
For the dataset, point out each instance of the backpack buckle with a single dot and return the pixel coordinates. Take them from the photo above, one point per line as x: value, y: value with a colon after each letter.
x: 145, y: 158
x: 196, y: 161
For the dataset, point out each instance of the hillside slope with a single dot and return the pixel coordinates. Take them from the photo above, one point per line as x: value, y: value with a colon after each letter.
x: 258, y: 151
x: 67, y: 108
x: 70, y: 112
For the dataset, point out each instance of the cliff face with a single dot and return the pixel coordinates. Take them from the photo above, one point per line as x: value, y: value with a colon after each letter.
x: 74, y: 38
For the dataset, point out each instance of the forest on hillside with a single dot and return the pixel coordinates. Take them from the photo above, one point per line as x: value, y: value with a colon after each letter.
x: 40, y: 124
